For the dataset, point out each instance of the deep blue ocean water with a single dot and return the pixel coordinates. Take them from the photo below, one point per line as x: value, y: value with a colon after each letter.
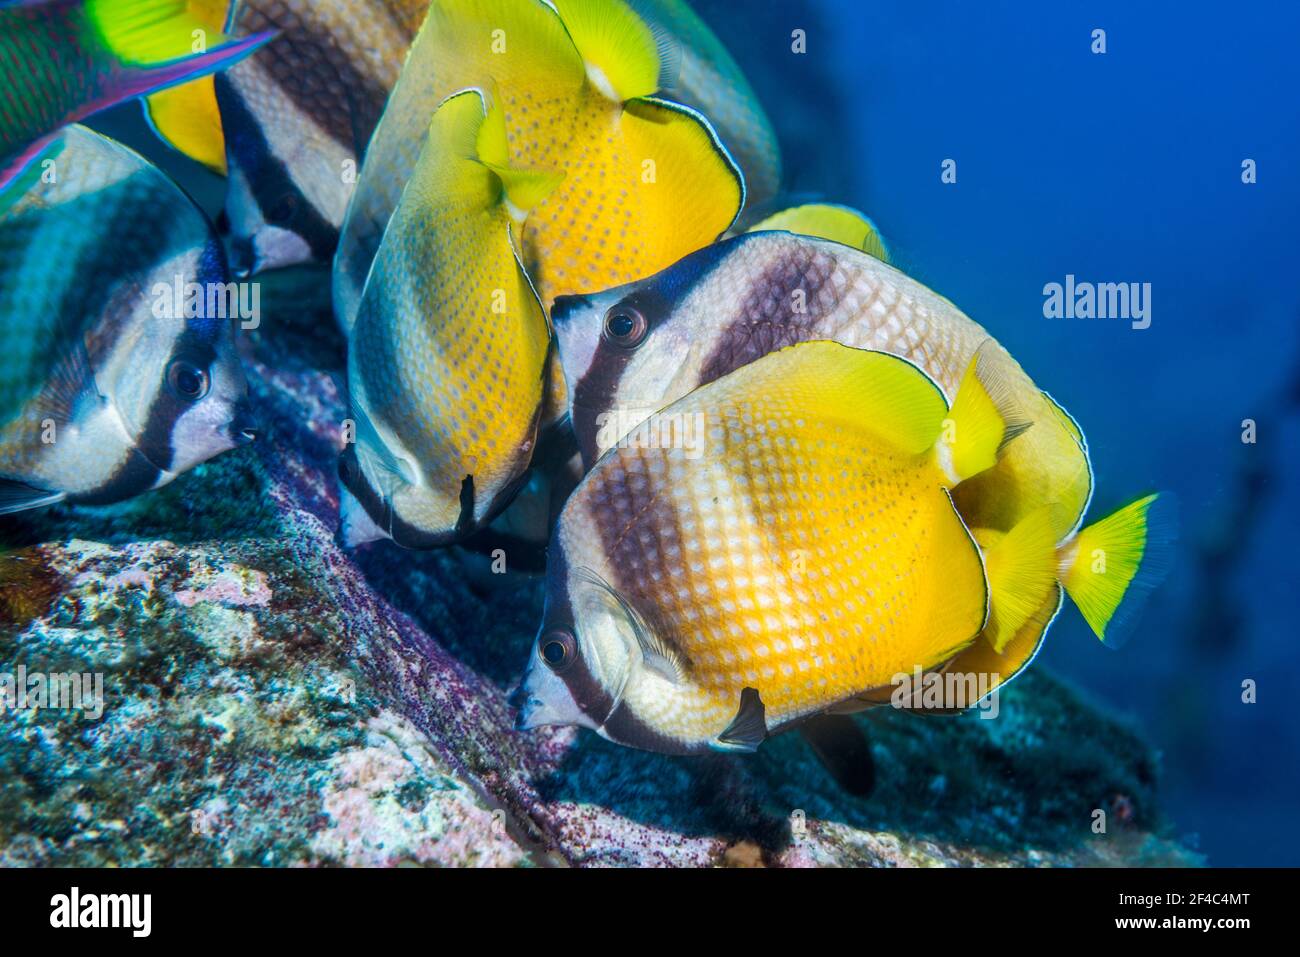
x: 1117, y: 167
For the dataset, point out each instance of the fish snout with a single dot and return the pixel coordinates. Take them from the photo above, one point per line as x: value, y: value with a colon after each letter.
x: 356, y: 526
x: 243, y: 425
x: 525, y: 707
x: 524, y: 699
x: 566, y: 307
x: 531, y: 711
x: 243, y: 258
x: 545, y: 700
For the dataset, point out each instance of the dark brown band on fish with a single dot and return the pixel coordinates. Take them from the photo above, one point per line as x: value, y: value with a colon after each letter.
x: 135, y: 475
x: 588, y: 693
x: 278, y: 197
x: 784, y: 306
x: 596, y: 393
x: 624, y: 727
x: 597, y: 390
x: 636, y: 551
x: 313, y: 71
x: 138, y: 245
x: 197, y: 344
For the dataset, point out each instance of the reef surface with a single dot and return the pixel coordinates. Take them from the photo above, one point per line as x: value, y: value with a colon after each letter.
x: 270, y: 699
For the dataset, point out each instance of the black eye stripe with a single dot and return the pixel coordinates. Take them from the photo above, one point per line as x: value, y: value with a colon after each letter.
x: 269, y: 178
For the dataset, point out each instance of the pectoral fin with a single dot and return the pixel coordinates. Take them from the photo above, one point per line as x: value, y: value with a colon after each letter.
x: 985, y: 417
x: 656, y: 655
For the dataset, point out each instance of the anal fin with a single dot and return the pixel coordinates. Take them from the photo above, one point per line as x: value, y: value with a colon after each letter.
x: 842, y: 748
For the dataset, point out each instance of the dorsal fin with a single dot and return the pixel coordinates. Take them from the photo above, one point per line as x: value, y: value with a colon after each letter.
x: 840, y: 224
x: 875, y: 391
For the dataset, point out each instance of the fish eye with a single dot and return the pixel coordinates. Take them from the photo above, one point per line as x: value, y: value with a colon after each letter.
x: 558, y: 649
x: 625, y: 326
x: 283, y: 209
x: 187, y: 380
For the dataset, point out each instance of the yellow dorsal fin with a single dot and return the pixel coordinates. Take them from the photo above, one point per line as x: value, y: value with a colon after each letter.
x: 877, y: 392
x: 524, y: 188
x: 839, y: 224
x: 985, y: 416
x: 1021, y: 566
x: 1108, y: 568
x: 620, y: 50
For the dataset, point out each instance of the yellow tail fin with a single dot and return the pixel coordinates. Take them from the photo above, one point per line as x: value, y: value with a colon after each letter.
x: 984, y: 417
x: 1110, y: 566
x: 1022, y: 568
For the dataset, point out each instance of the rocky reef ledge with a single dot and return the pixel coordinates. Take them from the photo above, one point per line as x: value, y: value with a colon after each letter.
x: 272, y: 700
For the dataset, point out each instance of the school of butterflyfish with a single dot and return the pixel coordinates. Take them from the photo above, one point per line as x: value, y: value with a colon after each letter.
x: 770, y: 471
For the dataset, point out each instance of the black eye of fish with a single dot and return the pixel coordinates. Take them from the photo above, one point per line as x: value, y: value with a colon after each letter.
x: 625, y: 326
x: 283, y: 209
x: 558, y: 649
x: 187, y: 380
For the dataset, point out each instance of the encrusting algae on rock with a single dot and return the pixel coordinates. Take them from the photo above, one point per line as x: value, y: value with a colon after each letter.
x: 247, y: 731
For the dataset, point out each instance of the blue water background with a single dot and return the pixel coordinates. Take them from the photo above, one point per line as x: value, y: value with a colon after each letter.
x: 1120, y: 167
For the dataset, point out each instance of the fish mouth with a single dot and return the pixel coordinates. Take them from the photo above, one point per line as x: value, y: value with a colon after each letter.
x: 543, y: 699
x: 534, y: 713
x: 529, y: 709
x: 356, y: 526
x: 242, y: 428
x: 530, y: 714
x: 243, y: 259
